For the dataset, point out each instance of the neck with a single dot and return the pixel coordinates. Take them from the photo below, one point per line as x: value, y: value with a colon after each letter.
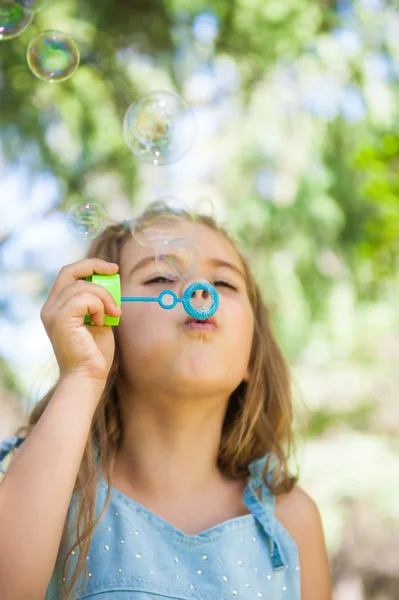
x: 170, y: 446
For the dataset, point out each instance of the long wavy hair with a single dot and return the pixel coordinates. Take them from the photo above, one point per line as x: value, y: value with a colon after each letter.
x: 258, y: 419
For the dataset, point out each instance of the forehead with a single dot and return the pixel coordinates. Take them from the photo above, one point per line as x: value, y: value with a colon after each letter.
x: 209, y: 243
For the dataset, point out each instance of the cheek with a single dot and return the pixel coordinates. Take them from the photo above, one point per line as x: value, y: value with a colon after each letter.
x: 242, y: 332
x: 142, y: 326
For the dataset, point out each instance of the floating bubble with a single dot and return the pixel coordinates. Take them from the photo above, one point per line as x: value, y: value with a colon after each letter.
x: 14, y: 19
x: 160, y: 128
x: 53, y: 56
x: 33, y: 5
x: 87, y: 220
x: 169, y: 218
x: 176, y: 259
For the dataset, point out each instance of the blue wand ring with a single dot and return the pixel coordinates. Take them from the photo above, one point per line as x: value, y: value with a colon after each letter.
x: 200, y: 313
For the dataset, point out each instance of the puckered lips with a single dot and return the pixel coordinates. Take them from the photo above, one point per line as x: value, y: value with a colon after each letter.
x: 201, y: 325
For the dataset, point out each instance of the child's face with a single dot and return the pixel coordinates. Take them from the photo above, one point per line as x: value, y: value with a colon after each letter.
x: 157, y: 350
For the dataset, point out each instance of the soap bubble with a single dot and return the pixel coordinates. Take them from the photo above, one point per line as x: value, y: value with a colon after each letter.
x: 176, y: 259
x: 156, y: 226
x: 53, y: 56
x: 33, y: 5
x: 14, y: 19
x: 160, y: 128
x: 87, y: 220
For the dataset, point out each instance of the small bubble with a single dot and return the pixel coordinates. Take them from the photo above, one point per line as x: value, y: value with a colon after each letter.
x: 160, y: 128
x: 14, y: 19
x: 53, y: 56
x: 87, y: 220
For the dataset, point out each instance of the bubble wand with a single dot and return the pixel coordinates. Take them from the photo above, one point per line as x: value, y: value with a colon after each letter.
x: 113, y: 285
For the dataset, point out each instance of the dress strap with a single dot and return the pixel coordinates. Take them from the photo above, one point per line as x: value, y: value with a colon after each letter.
x: 6, y: 446
x: 263, y: 509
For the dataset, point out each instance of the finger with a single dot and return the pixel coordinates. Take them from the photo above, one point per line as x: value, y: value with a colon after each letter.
x: 50, y: 311
x: 79, y: 270
x: 86, y: 286
x: 82, y: 304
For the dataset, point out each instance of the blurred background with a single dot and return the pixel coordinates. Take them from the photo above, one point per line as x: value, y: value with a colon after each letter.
x: 297, y: 151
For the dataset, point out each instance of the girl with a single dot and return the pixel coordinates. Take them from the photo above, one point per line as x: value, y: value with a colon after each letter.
x: 155, y: 467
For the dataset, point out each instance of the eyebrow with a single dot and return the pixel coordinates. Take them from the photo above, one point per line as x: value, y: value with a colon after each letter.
x: 215, y: 262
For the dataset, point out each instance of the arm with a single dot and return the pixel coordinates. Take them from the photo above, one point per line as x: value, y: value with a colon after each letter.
x: 300, y: 516
x: 36, y: 491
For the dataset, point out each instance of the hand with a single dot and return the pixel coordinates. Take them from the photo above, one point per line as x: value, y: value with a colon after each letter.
x: 83, y: 350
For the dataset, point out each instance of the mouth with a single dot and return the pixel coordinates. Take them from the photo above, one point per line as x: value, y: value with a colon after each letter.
x: 202, y: 325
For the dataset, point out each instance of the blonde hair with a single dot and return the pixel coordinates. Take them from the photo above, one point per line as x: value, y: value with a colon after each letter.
x: 258, y: 420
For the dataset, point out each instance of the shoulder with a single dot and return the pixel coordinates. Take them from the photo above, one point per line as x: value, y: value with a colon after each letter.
x: 295, y: 508
x: 300, y: 516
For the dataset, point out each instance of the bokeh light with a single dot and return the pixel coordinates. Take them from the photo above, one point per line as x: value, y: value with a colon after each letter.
x: 160, y: 128
x: 53, y: 56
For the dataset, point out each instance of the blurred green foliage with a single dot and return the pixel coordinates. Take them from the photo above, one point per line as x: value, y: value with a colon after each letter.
x: 333, y: 214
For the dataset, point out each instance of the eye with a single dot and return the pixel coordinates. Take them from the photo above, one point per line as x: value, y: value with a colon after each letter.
x: 160, y: 279
x: 224, y: 284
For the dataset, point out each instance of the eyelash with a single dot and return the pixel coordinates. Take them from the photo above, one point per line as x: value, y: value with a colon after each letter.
x: 215, y: 283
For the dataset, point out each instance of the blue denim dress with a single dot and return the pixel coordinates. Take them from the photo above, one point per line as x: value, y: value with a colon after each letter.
x: 137, y: 555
